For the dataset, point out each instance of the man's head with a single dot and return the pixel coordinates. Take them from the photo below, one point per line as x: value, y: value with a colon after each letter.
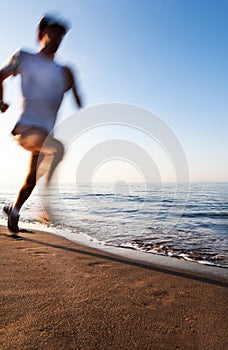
x: 52, y: 29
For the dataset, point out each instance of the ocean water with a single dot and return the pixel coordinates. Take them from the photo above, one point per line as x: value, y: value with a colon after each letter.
x: 185, y: 221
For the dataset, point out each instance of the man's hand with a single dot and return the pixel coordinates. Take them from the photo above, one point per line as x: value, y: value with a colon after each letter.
x: 3, y: 106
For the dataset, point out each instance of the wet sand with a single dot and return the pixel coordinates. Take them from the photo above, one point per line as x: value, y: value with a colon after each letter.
x: 56, y: 294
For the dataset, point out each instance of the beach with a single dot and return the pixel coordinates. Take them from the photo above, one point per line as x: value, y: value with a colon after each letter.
x: 56, y: 294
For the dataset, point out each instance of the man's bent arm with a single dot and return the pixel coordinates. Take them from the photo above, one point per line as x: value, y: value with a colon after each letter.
x: 9, y: 69
x: 71, y: 85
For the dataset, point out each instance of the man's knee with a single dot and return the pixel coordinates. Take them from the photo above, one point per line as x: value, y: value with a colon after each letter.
x: 53, y: 147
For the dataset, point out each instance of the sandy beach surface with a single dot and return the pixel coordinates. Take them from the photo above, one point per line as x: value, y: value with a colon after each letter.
x: 56, y: 294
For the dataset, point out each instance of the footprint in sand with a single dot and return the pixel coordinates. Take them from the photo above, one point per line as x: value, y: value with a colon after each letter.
x: 99, y: 263
x: 37, y: 251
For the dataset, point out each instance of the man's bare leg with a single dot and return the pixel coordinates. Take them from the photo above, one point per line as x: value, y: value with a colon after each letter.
x: 24, y: 193
x: 30, y: 181
x: 36, y: 140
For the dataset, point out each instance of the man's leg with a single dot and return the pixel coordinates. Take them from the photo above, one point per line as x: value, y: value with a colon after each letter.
x: 38, y: 141
x: 24, y: 193
x: 30, y: 181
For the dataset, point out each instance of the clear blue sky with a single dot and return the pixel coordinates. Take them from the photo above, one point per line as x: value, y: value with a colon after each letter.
x: 168, y: 56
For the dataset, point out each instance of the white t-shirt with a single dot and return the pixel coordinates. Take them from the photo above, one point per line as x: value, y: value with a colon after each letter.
x: 43, y: 85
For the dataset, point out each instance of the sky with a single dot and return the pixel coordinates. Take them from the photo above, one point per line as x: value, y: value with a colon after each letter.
x: 169, y: 57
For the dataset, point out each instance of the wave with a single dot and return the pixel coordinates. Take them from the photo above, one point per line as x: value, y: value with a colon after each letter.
x: 200, y: 257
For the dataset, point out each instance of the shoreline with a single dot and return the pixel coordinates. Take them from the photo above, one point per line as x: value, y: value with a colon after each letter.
x: 173, y: 263
x: 151, y: 259
x: 59, y: 294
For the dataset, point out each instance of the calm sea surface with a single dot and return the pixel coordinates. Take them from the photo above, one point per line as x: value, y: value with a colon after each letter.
x: 186, y: 221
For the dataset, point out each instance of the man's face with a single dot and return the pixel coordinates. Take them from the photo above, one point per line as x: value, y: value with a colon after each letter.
x: 52, y: 37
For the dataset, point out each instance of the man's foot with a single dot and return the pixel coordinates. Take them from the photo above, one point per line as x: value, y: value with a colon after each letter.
x: 13, y: 218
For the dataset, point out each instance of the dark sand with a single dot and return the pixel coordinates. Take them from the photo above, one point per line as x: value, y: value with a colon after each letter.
x: 56, y: 294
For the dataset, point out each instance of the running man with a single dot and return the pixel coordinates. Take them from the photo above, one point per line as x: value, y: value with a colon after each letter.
x: 43, y: 84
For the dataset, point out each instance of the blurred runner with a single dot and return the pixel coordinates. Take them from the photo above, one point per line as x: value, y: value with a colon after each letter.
x: 43, y: 84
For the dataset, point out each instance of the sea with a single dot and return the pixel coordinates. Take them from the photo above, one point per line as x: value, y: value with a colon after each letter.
x: 182, y: 221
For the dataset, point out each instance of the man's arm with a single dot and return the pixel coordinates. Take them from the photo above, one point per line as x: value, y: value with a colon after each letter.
x: 10, y: 68
x: 70, y: 84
